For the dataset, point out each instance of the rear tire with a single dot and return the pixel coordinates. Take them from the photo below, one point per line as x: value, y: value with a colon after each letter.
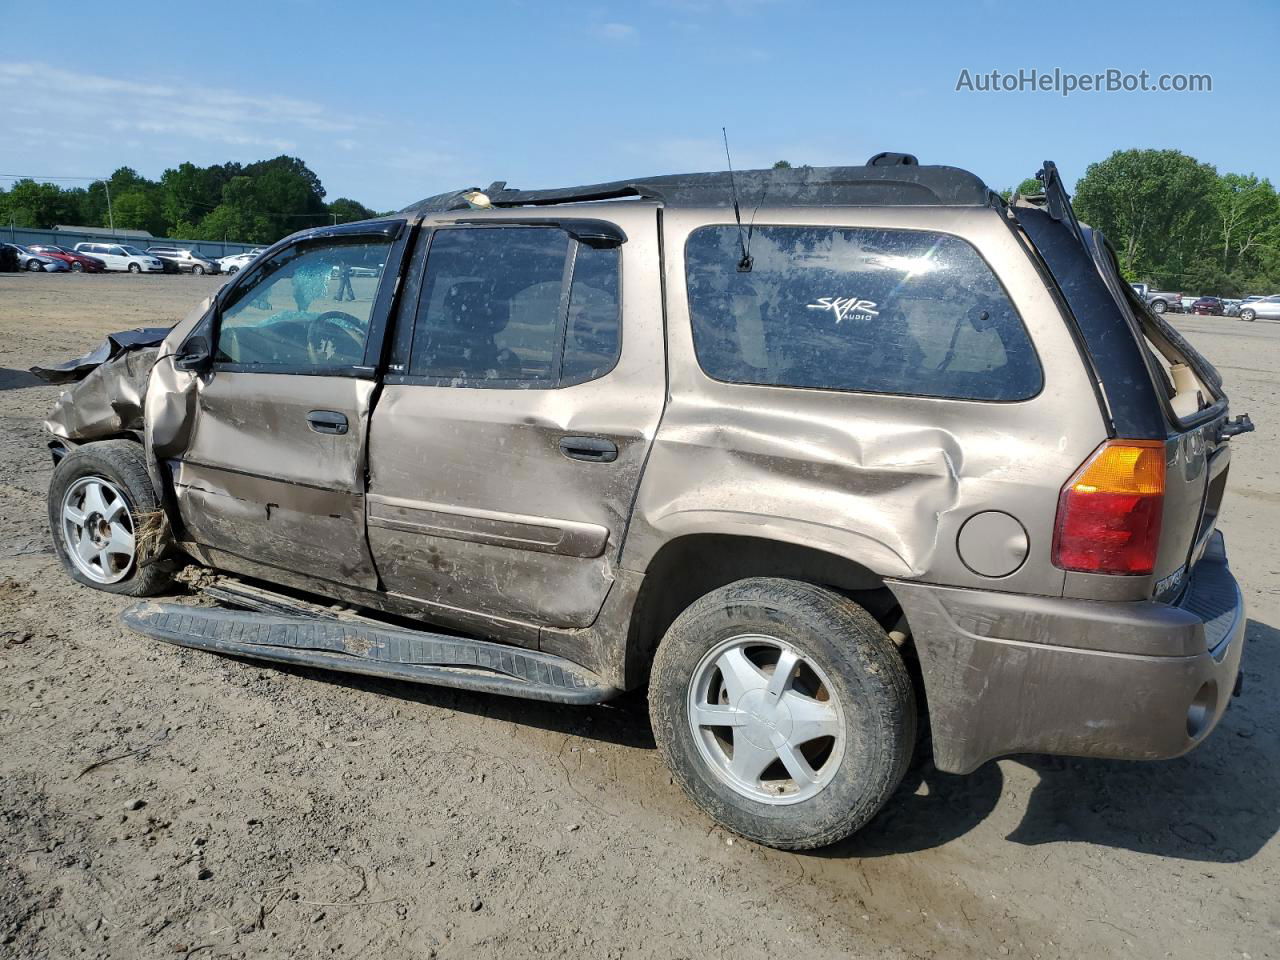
x: 100, y: 497
x: 1159, y: 306
x: 834, y: 735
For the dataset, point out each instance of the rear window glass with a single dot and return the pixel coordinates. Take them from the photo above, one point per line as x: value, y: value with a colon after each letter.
x: 875, y: 311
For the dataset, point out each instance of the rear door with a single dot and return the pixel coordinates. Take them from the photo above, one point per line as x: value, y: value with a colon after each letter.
x: 274, y: 469
x: 510, y: 436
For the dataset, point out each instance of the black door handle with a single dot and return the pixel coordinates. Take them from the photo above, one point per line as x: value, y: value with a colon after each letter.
x: 327, y: 421
x: 590, y: 449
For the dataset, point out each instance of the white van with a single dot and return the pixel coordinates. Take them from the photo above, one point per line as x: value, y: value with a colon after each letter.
x: 121, y: 256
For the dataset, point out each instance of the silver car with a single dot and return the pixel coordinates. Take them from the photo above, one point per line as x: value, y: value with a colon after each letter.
x: 37, y: 263
x: 188, y: 261
x: 1265, y: 308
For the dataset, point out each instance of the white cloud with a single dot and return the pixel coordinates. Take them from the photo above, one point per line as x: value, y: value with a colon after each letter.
x: 614, y: 31
x: 171, y: 109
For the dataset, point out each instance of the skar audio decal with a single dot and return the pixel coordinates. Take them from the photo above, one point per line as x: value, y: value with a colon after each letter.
x: 843, y: 307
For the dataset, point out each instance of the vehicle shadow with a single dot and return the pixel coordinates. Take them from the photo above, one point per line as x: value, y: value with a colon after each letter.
x: 624, y: 721
x: 17, y: 379
x: 1217, y: 804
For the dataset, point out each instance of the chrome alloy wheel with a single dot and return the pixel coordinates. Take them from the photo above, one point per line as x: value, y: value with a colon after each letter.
x: 766, y: 719
x: 98, y: 530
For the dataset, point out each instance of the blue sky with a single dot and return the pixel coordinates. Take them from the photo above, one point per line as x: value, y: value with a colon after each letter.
x: 392, y: 101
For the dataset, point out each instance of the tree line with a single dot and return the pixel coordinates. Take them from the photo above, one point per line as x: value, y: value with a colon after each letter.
x: 1175, y: 223
x: 252, y: 203
x: 1178, y: 224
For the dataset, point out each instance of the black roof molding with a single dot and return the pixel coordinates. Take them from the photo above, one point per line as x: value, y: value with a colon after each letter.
x: 891, y: 182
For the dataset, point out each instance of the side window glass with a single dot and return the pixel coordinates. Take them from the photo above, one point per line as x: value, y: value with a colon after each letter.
x: 874, y: 311
x: 308, y: 307
x: 492, y: 305
x: 591, y: 339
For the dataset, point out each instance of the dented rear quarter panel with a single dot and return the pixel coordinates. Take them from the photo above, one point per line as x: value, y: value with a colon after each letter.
x: 883, y: 480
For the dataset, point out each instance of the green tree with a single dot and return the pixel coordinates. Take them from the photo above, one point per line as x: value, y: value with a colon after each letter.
x: 782, y: 165
x: 1156, y: 207
x: 40, y: 205
x: 139, y: 209
x: 1248, y: 210
x: 348, y: 211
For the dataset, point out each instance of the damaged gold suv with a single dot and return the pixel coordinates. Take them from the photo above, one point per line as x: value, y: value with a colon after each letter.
x: 891, y: 447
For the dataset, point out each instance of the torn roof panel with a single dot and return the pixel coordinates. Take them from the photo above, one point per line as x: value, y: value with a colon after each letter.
x: 880, y: 185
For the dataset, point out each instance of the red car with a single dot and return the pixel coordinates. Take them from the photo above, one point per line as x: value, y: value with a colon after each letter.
x: 78, y: 262
x: 1207, y: 306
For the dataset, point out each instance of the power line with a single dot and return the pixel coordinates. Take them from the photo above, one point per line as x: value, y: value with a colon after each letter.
x: 30, y: 176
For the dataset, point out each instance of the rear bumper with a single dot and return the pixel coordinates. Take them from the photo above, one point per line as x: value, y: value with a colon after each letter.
x: 1005, y: 673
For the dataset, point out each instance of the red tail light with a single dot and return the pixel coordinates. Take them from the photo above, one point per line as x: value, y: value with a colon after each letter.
x: 1109, y: 513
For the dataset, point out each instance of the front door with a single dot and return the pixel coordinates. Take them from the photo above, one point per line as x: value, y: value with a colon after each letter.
x: 510, y: 436
x: 274, y: 469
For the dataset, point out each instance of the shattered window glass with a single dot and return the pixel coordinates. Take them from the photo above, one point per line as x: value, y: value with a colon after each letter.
x: 308, y: 307
x: 875, y: 311
x: 494, y: 308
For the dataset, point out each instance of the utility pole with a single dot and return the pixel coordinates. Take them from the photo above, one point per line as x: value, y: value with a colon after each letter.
x: 110, y: 216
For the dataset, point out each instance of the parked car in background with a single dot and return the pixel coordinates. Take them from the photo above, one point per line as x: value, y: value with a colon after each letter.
x: 1234, y: 307
x: 1187, y: 301
x: 122, y: 256
x: 37, y: 262
x: 238, y: 261
x: 1267, y: 308
x: 1207, y: 306
x: 188, y: 261
x: 1158, y: 301
x: 78, y: 262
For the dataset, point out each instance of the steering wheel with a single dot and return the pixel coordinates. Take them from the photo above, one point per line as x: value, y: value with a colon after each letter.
x: 335, y: 335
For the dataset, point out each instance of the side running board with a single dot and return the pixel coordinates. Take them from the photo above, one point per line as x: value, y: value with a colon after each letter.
x: 374, y: 650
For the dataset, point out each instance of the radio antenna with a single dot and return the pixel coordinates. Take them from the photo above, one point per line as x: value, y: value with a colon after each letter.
x: 744, y: 265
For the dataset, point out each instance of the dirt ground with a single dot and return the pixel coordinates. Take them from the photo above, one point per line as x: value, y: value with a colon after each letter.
x: 162, y: 802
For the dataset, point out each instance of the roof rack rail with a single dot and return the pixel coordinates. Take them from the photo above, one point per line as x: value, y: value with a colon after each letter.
x: 887, y: 159
x: 888, y: 180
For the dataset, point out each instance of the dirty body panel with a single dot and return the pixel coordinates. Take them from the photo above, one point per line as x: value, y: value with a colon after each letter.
x: 886, y: 481
x: 1141, y: 680
x: 255, y: 480
x: 503, y: 490
x: 265, y: 445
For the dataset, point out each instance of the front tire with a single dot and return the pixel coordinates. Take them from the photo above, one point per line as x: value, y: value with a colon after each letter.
x: 102, y: 509
x: 1247, y: 315
x: 35, y: 266
x: 77, y: 268
x: 134, y: 268
x: 797, y: 760
x: 198, y: 270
